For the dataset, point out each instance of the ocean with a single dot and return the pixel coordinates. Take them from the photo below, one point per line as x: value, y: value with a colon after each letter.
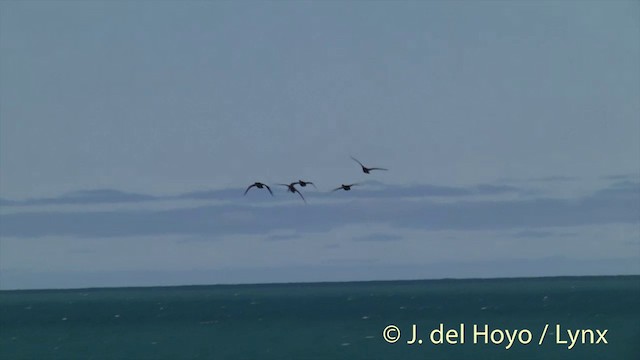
x: 580, y: 317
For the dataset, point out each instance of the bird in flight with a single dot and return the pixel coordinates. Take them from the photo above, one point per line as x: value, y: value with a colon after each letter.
x: 259, y: 185
x: 292, y: 189
x: 365, y: 169
x: 345, y: 187
x: 305, y: 183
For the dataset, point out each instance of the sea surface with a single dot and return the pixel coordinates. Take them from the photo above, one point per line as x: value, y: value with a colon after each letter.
x: 330, y: 320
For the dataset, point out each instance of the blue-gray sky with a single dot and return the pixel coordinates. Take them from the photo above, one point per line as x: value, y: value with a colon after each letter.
x: 129, y: 130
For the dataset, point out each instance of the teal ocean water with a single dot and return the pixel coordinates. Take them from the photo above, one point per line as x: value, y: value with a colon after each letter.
x: 330, y: 320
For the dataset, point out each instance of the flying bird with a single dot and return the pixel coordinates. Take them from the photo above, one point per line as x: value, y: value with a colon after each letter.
x: 365, y: 169
x: 345, y: 187
x: 259, y: 185
x: 292, y: 189
x: 305, y: 183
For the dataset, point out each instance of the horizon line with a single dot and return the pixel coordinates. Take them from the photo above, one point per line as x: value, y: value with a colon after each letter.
x: 287, y: 283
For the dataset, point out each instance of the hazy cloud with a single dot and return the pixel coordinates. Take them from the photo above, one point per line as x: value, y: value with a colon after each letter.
x: 546, y: 179
x: 554, y: 179
x: 616, y: 204
x: 282, y: 237
x: 97, y: 196
x: 369, y: 189
x: 630, y: 176
x: 539, y: 234
x: 378, y: 237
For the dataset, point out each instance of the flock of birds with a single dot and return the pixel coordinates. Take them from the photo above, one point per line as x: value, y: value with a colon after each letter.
x: 292, y: 186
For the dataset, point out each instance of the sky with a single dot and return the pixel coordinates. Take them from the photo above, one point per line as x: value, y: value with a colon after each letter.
x: 129, y: 131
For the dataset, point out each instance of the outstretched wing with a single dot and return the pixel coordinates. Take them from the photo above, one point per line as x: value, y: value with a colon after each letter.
x: 354, y: 184
x: 299, y: 193
x: 314, y: 185
x: 356, y: 160
x: 268, y: 188
x: 250, y: 186
x: 378, y: 169
x: 336, y: 189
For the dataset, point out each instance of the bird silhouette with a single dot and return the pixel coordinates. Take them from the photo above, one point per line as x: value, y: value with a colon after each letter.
x: 291, y: 188
x: 305, y: 183
x: 259, y: 185
x: 345, y: 187
x: 365, y: 169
